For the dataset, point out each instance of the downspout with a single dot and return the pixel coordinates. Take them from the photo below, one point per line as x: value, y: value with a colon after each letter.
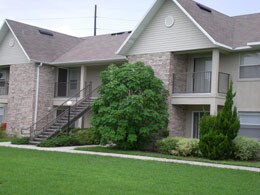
x: 37, y: 93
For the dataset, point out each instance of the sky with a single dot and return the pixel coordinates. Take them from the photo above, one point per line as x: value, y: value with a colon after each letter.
x: 75, y: 17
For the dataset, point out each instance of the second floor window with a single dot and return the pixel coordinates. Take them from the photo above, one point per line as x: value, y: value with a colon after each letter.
x: 250, y: 65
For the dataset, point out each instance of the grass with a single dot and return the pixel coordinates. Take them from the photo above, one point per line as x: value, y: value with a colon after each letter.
x: 39, y: 172
x: 6, y: 139
x: 139, y: 153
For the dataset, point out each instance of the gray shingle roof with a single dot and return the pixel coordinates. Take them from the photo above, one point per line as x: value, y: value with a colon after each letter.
x: 98, y: 48
x: 64, y: 48
x: 219, y: 26
x: 232, y: 31
x: 41, y: 47
x: 247, y: 29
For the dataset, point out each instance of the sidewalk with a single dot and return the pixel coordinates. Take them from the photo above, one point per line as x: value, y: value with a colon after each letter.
x: 71, y: 150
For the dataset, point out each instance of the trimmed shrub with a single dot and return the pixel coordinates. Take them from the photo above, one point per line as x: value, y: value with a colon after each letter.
x: 178, y: 146
x: 246, y: 148
x: 87, y: 136
x: 21, y: 141
x: 59, y: 141
x: 186, y: 147
x: 166, y: 145
x: 75, y: 138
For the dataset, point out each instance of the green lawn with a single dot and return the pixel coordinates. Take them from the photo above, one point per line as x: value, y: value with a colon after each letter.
x: 7, y: 139
x: 37, y: 172
x: 139, y: 153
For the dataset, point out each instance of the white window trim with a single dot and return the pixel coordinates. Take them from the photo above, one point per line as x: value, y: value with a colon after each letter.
x: 247, y: 65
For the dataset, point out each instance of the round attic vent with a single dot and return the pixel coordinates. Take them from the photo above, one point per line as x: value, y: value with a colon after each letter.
x: 11, y: 42
x: 169, y: 21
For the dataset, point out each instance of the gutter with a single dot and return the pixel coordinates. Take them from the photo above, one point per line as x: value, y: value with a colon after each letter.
x: 37, y: 92
x: 84, y: 62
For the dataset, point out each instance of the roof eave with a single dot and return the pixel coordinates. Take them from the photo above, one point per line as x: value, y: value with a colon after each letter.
x: 25, y: 53
x: 85, y: 62
x: 147, y: 18
x: 139, y: 28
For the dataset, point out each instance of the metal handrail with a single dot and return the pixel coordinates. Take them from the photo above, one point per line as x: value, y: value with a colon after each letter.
x: 49, y: 119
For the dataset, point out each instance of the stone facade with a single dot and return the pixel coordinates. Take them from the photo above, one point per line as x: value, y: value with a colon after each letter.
x: 164, y: 65
x: 181, y: 77
x: 21, y: 99
x: 46, y: 89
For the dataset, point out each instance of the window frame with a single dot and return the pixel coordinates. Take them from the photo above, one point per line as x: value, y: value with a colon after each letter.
x: 252, y: 126
x: 247, y: 65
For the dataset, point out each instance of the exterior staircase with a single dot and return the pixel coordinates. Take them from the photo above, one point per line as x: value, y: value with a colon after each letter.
x: 50, y: 125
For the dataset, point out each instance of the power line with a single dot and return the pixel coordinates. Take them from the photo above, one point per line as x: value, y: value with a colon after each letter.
x: 80, y: 17
x: 123, y: 19
x: 62, y: 18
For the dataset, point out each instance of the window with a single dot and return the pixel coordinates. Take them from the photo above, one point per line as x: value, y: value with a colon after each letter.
x: 250, y: 124
x: 196, y: 123
x: 1, y: 114
x: 250, y: 65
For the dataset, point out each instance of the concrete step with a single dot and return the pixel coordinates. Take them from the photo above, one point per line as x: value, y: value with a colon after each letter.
x: 38, y: 139
x: 44, y: 136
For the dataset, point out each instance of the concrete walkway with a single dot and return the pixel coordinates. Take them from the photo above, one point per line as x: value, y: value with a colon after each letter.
x: 71, y: 150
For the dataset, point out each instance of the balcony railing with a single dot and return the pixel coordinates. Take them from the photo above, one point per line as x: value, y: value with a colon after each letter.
x: 194, y: 82
x: 198, y: 82
x: 66, y: 89
x: 4, y: 88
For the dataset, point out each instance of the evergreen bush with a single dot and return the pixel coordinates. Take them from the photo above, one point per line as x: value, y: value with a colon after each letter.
x: 218, y: 132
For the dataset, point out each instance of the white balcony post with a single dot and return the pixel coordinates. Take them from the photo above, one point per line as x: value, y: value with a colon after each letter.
x: 214, y: 80
x: 82, y: 80
x: 215, y: 72
x: 82, y: 86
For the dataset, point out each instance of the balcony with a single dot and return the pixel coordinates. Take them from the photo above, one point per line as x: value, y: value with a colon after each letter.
x: 4, y: 88
x: 198, y: 82
x: 66, y: 89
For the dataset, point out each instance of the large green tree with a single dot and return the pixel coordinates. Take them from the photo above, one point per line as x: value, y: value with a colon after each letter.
x: 131, y: 106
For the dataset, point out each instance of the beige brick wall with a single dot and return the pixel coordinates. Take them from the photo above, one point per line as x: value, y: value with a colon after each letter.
x: 21, y: 97
x: 22, y: 89
x: 164, y: 65
x: 46, y: 89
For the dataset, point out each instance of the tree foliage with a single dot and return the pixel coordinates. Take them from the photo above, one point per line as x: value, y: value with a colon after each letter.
x: 132, y: 105
x: 218, y: 132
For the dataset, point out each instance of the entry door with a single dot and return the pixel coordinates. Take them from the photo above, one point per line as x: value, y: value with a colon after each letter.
x: 62, y: 82
x: 196, y: 123
x: 202, y: 75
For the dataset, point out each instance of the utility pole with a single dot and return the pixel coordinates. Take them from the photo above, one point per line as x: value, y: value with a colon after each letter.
x: 95, y: 21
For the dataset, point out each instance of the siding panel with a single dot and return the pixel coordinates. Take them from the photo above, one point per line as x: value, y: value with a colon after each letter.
x: 11, y: 55
x: 183, y: 35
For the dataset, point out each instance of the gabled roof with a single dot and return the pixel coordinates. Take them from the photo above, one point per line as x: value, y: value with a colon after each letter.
x: 50, y: 47
x: 98, y: 48
x: 40, y: 47
x: 246, y: 30
x: 219, y: 26
x: 223, y: 31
